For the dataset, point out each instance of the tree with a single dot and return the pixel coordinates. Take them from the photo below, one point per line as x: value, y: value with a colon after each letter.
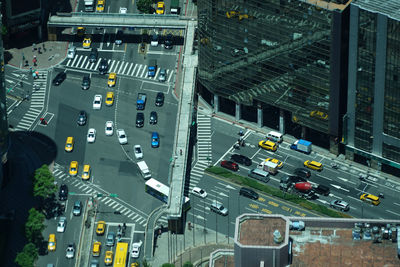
x: 34, y: 226
x: 43, y: 183
x: 188, y: 264
x: 145, y: 6
x: 28, y: 256
x: 168, y: 265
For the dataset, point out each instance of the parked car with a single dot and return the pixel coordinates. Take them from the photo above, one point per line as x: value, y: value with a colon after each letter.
x: 122, y: 137
x: 118, y: 37
x: 153, y: 117
x: 63, y: 193
x: 85, y: 82
x: 230, y: 165
x: 160, y: 99
x: 163, y: 74
x: 82, y: 118
x: 139, y: 119
x: 340, y: 205
x: 303, y: 173
x: 93, y: 55
x: 199, y: 192
x: 71, y: 52
x: 154, y: 40
x: 168, y: 44
x: 241, y: 159
x: 60, y: 77
x: 137, y: 149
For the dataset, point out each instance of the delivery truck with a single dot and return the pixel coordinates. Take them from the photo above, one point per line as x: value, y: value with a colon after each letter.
x: 302, y: 146
x: 269, y: 167
x: 144, y: 170
x: 141, y: 101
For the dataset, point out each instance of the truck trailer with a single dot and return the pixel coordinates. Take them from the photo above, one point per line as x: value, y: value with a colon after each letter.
x: 141, y: 101
x: 302, y: 146
x: 89, y: 5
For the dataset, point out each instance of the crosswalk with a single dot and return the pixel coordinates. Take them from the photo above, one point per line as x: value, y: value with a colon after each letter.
x: 36, y: 100
x: 119, y: 67
x: 90, y: 189
x: 204, y: 150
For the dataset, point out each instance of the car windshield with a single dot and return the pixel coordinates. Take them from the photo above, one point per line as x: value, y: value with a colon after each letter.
x: 108, y: 127
x: 201, y: 191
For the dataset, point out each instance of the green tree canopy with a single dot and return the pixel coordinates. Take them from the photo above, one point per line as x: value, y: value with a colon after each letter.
x: 28, y: 256
x: 34, y: 225
x: 168, y: 265
x: 188, y: 264
x: 145, y: 6
x: 43, y: 183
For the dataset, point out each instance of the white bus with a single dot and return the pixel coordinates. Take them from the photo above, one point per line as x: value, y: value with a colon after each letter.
x: 161, y: 191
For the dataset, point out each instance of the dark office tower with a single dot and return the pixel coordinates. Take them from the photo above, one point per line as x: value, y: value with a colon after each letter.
x: 372, y: 132
x: 4, y: 141
x: 280, y: 63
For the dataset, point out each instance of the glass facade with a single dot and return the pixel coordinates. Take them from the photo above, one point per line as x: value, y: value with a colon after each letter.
x: 277, y: 52
x: 365, y: 80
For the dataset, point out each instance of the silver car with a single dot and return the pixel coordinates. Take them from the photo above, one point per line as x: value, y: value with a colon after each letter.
x: 163, y: 74
x: 340, y: 205
x: 71, y: 52
x: 218, y: 208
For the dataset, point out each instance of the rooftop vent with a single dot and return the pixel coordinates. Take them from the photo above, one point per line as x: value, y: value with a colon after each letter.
x: 277, y: 237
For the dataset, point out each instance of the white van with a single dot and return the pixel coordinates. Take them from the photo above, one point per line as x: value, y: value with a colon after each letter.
x: 144, y: 170
x: 275, y: 136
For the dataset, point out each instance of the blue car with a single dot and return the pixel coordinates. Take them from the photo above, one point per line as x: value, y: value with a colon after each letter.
x: 155, y: 140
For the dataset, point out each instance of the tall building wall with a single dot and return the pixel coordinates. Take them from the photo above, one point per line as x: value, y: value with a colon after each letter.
x: 286, y: 54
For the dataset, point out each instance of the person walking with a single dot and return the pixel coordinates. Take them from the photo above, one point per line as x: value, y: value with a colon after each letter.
x: 34, y: 61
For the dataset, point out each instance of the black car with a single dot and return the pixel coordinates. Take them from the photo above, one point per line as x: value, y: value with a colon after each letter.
x: 85, y: 82
x: 241, y: 159
x: 168, y: 44
x: 103, y: 67
x: 322, y: 190
x: 247, y: 192
x: 59, y: 78
x: 303, y: 173
x: 93, y: 55
x: 63, y: 193
x: 139, y: 119
x: 297, y: 179
x: 82, y: 118
x: 159, y: 99
x: 153, y: 117
x: 118, y: 37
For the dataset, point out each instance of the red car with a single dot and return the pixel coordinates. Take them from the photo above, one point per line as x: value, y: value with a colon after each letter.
x: 230, y: 165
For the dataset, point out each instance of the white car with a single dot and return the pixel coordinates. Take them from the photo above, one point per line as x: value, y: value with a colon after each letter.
x: 62, y: 223
x: 136, y: 249
x: 97, y: 101
x: 71, y: 52
x: 70, y: 251
x: 199, y: 192
x: 163, y: 74
x: 91, y: 135
x: 122, y: 137
x: 138, y: 151
x: 123, y: 10
x: 109, y: 128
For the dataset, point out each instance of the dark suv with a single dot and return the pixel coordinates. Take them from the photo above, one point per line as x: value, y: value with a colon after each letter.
x: 93, y: 55
x: 85, y: 82
x: 230, y: 165
x: 168, y: 42
x: 303, y: 173
x: 159, y: 99
x: 322, y: 190
x: 247, y: 192
x: 241, y: 159
x: 153, y: 117
x: 59, y: 78
x: 103, y: 67
x: 63, y: 193
x: 139, y: 119
x: 82, y: 117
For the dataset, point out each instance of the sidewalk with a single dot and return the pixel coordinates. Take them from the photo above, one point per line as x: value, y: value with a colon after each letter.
x: 194, y: 246
x: 52, y: 53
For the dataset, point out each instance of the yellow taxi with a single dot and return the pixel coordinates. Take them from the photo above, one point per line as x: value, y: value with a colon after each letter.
x: 374, y: 200
x: 101, y: 226
x: 100, y: 5
x: 86, y: 172
x: 268, y: 145
x: 80, y: 31
x: 96, y: 249
x: 160, y: 8
x: 276, y: 161
x: 134, y: 264
x: 52, y: 242
x: 69, y: 144
x: 319, y: 115
x: 73, y: 168
x: 109, y: 257
x: 87, y: 42
x: 109, y: 98
x: 112, y: 78
x: 313, y: 165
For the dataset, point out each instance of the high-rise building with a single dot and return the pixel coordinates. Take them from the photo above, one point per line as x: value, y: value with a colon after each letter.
x: 279, y: 63
x: 372, y: 122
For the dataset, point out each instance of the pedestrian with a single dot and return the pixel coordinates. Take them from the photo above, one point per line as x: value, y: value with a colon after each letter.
x: 119, y: 227
x: 34, y: 61
x: 39, y: 50
x: 124, y: 226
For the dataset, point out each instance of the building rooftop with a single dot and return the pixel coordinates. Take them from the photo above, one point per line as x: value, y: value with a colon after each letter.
x: 318, y: 246
x: 223, y: 258
x: 329, y: 4
x: 390, y: 8
x: 258, y: 231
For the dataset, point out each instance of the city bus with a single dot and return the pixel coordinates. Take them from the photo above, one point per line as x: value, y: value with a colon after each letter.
x: 121, y: 254
x: 161, y: 191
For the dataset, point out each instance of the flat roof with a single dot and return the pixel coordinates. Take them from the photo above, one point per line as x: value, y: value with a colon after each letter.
x: 227, y: 260
x: 258, y: 231
x: 390, y: 8
x: 318, y: 246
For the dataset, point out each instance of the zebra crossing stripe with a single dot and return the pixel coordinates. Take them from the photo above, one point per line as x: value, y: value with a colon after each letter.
x: 97, y: 64
x: 129, y: 70
x: 62, y: 176
x: 84, y: 61
x: 144, y: 71
x: 134, y: 69
x: 136, y: 215
x: 158, y: 71
x: 112, y: 65
x: 108, y: 201
x: 120, y: 68
x: 138, y: 70
x: 123, y: 71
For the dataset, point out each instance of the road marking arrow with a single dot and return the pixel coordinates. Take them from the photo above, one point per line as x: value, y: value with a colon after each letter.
x: 222, y: 194
x: 229, y: 187
x: 199, y: 217
x: 343, y: 179
x: 339, y: 187
x: 323, y: 201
